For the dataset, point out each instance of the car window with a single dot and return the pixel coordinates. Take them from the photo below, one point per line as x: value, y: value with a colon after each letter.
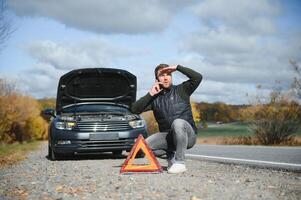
x: 94, y: 108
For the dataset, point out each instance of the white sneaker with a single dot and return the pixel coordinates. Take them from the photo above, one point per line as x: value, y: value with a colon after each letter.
x: 177, y: 168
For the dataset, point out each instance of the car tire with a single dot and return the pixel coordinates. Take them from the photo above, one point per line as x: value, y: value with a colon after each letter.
x: 51, y: 154
x: 117, y: 152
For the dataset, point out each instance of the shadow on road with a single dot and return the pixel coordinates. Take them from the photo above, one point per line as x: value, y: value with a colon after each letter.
x: 98, y: 156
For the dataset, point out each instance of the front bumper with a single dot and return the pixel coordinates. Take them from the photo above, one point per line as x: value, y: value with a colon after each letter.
x: 82, y: 142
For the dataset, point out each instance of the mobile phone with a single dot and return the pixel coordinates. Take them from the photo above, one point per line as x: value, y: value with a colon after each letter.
x: 160, y: 86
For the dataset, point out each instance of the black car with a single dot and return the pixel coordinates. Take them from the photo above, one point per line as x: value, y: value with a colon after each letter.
x: 93, y: 113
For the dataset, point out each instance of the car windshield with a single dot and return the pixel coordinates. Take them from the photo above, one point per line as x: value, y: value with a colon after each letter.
x: 95, y: 108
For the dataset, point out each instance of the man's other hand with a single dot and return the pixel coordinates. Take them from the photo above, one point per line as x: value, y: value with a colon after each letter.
x: 155, y: 89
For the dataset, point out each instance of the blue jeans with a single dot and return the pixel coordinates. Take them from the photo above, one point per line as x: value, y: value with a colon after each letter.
x: 174, y: 142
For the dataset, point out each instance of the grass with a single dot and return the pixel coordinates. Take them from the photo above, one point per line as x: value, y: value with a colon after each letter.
x: 12, y: 153
x: 230, y: 134
x: 232, y: 129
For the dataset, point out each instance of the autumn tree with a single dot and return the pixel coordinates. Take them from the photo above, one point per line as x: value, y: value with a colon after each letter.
x: 218, y: 112
x: 196, y: 112
x: 20, y: 118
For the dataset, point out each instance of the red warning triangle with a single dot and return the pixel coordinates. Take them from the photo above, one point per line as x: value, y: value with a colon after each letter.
x: 129, y: 166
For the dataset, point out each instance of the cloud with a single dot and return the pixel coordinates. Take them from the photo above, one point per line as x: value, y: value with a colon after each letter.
x: 105, y: 16
x: 238, y: 45
x: 55, y: 59
x: 41, y: 80
x: 246, y: 16
x: 234, y: 44
x: 265, y: 73
x: 87, y: 53
x: 214, y: 91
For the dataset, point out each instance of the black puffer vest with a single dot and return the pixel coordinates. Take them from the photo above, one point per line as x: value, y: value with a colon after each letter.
x: 170, y: 106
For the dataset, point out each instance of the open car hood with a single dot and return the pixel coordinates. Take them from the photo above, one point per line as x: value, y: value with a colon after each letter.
x: 96, y: 85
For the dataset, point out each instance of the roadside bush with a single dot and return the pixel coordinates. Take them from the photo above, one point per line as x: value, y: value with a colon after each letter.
x: 36, y: 128
x: 204, y: 124
x: 248, y: 140
x: 20, y: 118
x: 218, y: 112
x: 240, y: 140
x: 274, y: 122
x: 195, y: 112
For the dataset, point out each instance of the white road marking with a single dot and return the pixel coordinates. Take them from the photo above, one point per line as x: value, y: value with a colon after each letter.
x: 250, y: 146
x: 244, y: 160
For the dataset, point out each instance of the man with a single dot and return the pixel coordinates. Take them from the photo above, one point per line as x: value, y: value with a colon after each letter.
x: 172, y: 110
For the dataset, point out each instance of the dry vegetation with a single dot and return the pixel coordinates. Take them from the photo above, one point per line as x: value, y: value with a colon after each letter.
x: 12, y: 153
x: 20, y: 116
x: 243, y: 140
x: 274, y: 122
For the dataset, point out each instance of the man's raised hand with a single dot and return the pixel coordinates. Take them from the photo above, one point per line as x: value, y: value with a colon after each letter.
x: 155, y: 88
x: 168, y: 70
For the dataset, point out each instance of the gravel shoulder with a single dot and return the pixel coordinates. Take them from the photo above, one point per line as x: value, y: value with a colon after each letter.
x: 98, y: 177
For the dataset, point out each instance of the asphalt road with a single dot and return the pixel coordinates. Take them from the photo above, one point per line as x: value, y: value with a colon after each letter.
x: 286, y: 158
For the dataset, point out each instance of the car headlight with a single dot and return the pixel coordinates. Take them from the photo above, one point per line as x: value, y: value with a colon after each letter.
x: 65, y: 125
x: 137, y: 123
x: 131, y: 117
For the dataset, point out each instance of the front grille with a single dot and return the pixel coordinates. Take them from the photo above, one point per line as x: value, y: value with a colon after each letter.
x: 102, y: 126
x: 128, y: 143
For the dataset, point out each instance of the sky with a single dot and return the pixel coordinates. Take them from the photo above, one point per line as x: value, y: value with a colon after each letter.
x: 235, y: 44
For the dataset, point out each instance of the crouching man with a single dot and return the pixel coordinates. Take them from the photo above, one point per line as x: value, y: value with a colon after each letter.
x: 172, y: 110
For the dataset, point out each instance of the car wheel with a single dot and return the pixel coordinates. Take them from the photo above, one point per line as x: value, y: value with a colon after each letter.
x: 51, y: 154
x: 117, y: 153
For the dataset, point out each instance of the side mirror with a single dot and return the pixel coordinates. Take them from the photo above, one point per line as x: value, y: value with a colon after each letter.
x: 49, y: 112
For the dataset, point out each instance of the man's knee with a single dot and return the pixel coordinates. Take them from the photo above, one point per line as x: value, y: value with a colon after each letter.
x: 150, y: 141
x: 178, y: 124
x: 156, y: 141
